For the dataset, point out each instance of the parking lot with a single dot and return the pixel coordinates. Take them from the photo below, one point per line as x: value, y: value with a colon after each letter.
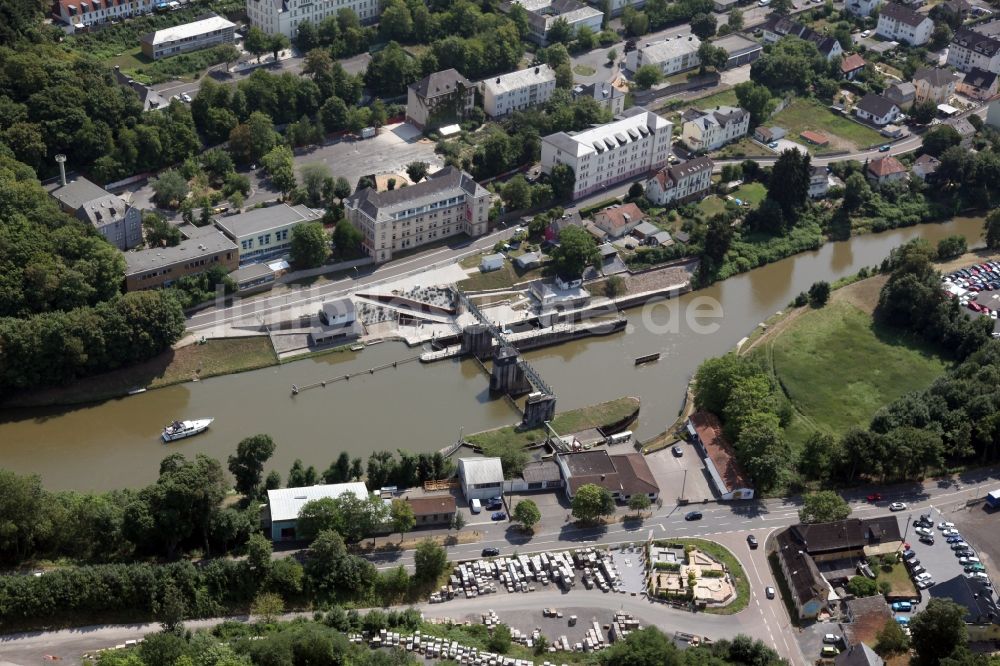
x: 977, y: 289
x: 680, y: 476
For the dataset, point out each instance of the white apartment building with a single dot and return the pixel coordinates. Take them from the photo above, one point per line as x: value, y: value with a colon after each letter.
x: 711, y: 130
x: 78, y: 14
x: 449, y: 202
x: 681, y: 183
x: 517, y: 90
x: 671, y: 55
x: 970, y: 49
x: 636, y: 143
x: 284, y: 16
x: 902, y: 24
x: 542, y: 14
x: 206, y: 32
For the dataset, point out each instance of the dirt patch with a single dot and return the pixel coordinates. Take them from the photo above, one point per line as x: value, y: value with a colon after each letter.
x: 863, y: 294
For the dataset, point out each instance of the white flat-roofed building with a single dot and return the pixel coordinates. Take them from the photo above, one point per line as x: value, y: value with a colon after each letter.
x: 671, y: 55
x: 284, y: 504
x: 449, y: 202
x: 208, y: 31
x: 636, y: 143
x: 285, y: 16
x: 79, y: 14
x: 518, y: 90
x: 542, y: 14
x: 263, y: 233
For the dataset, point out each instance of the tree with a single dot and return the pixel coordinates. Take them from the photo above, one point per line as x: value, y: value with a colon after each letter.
x: 561, y: 32
x: 577, y: 249
x: 277, y: 43
x: 499, y: 640
x: 992, y: 230
x: 924, y: 112
x: 430, y: 560
x: 417, y: 171
x: 861, y: 586
x: 317, y: 516
x: 952, y: 247
x: 592, y: 502
x: 314, y: 175
x: 159, y: 232
x: 333, y: 115
x: 938, y: 631
x: 169, y: 189
x: 718, y: 239
x: 357, y: 469
x: 824, y: 506
x: 648, y: 76
x: 612, y: 57
x: 735, y: 20
x: 527, y: 514
x: 940, y: 138
x: 712, y: 56
x: 396, y: 22
x: 639, y: 503
x: 341, y: 188
x: 819, y: 293
x: 267, y: 606
x: 756, y: 100
x: 564, y: 76
x: 516, y: 193
x: 347, y: 240
x: 247, y: 465
x: 256, y: 42
x: 793, y: 172
x: 857, y: 191
x: 646, y: 647
x: 703, y: 25
x: 310, y: 245
x: 171, y: 609
x: 458, y: 522
x: 781, y: 7
x: 891, y: 640
x: 273, y: 480
x: 259, y: 552
x: 339, y: 471
x: 401, y: 515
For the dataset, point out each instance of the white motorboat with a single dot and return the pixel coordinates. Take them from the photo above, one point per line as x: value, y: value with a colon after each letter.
x: 182, y: 429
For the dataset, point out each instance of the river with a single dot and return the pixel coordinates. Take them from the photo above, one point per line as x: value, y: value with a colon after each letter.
x: 418, y: 407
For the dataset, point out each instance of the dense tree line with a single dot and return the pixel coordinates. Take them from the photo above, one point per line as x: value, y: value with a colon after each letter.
x: 651, y: 647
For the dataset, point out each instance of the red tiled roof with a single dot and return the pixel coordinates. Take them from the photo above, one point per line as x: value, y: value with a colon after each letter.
x: 814, y: 138
x: 719, y: 449
x: 619, y: 216
x: 885, y: 166
x: 851, y: 62
x: 431, y: 505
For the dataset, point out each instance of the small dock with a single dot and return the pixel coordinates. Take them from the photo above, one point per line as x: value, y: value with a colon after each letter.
x: 648, y: 358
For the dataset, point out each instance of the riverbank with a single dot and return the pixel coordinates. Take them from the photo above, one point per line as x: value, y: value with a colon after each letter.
x: 193, y: 362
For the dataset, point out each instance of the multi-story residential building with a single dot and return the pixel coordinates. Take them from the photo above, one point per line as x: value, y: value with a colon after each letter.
x: 970, y: 49
x: 517, y: 90
x: 681, y: 183
x: 671, y: 55
x: 933, y: 84
x: 161, y: 266
x: 439, y: 99
x: 902, y: 24
x: 862, y: 7
x: 118, y: 222
x: 636, y: 143
x: 542, y: 14
x: 285, y: 16
x: 777, y: 27
x: 265, y: 233
x: 449, y: 202
x: 819, y: 182
x: 605, y: 94
x: 209, y: 30
x: 877, y: 110
x: 711, y: 130
x: 80, y: 14
x: 978, y: 84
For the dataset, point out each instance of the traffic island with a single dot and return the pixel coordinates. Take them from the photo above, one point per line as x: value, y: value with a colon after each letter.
x: 698, y: 573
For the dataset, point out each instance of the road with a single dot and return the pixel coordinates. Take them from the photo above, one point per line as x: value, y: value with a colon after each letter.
x: 728, y: 524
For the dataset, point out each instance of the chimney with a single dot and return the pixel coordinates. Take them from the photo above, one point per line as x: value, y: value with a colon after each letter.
x: 61, y: 159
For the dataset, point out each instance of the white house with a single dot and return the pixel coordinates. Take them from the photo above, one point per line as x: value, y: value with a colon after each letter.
x: 862, y: 7
x: 819, y: 182
x: 671, y: 55
x: 480, y: 478
x: 338, y: 312
x: 284, y: 504
x: 637, y: 142
x: 201, y: 34
x: 517, y: 90
x: 902, y: 24
x: 542, y: 14
x: 285, y: 16
x: 970, y: 49
x: 710, y: 130
x: 681, y: 183
x: 877, y: 110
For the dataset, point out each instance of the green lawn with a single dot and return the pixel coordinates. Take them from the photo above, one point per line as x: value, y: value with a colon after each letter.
x: 803, y: 114
x: 504, y: 278
x: 575, y: 420
x: 752, y: 193
x: 584, y: 70
x: 742, y: 148
x: 724, y: 98
x: 898, y: 578
x: 838, y: 367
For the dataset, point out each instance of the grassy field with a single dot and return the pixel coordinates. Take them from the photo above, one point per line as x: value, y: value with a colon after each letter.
x: 751, y: 193
x: 745, y: 147
x: 504, y: 278
x: 584, y: 70
x: 575, y: 420
x: 898, y: 578
x: 802, y: 115
x: 215, y: 357
x: 724, y: 98
x: 838, y: 367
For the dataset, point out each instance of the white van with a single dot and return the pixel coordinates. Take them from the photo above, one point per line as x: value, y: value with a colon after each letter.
x: 620, y: 438
x: 475, y: 506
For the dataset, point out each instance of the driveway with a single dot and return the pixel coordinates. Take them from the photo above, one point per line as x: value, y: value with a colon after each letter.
x: 680, y: 477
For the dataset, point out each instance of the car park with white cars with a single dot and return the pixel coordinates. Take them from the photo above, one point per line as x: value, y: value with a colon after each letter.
x: 966, y: 284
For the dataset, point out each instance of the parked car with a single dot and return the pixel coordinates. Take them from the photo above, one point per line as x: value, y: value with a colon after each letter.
x: 491, y: 552
x: 884, y: 148
x: 828, y: 650
x: 693, y: 515
x: 832, y: 639
x: 475, y: 506
x: 924, y: 531
x: 928, y: 539
x: 979, y: 575
x: 972, y: 559
x: 769, y: 592
x: 954, y: 539
x: 950, y: 532
x: 678, y: 451
x: 752, y: 541
x: 974, y: 567
x: 912, y: 563
x: 916, y: 571
x: 959, y: 545
x: 898, y: 506
x: 905, y: 606
x: 499, y: 515
x: 903, y: 619
x: 924, y: 584
x: 494, y: 503
x: 865, y: 33
x: 186, y: 98
x: 909, y: 555
x: 922, y: 576
x: 875, y: 497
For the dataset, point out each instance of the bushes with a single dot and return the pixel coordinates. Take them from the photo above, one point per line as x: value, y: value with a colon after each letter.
x: 667, y: 566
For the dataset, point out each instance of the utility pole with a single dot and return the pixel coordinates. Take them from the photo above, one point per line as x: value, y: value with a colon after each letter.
x: 684, y: 482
